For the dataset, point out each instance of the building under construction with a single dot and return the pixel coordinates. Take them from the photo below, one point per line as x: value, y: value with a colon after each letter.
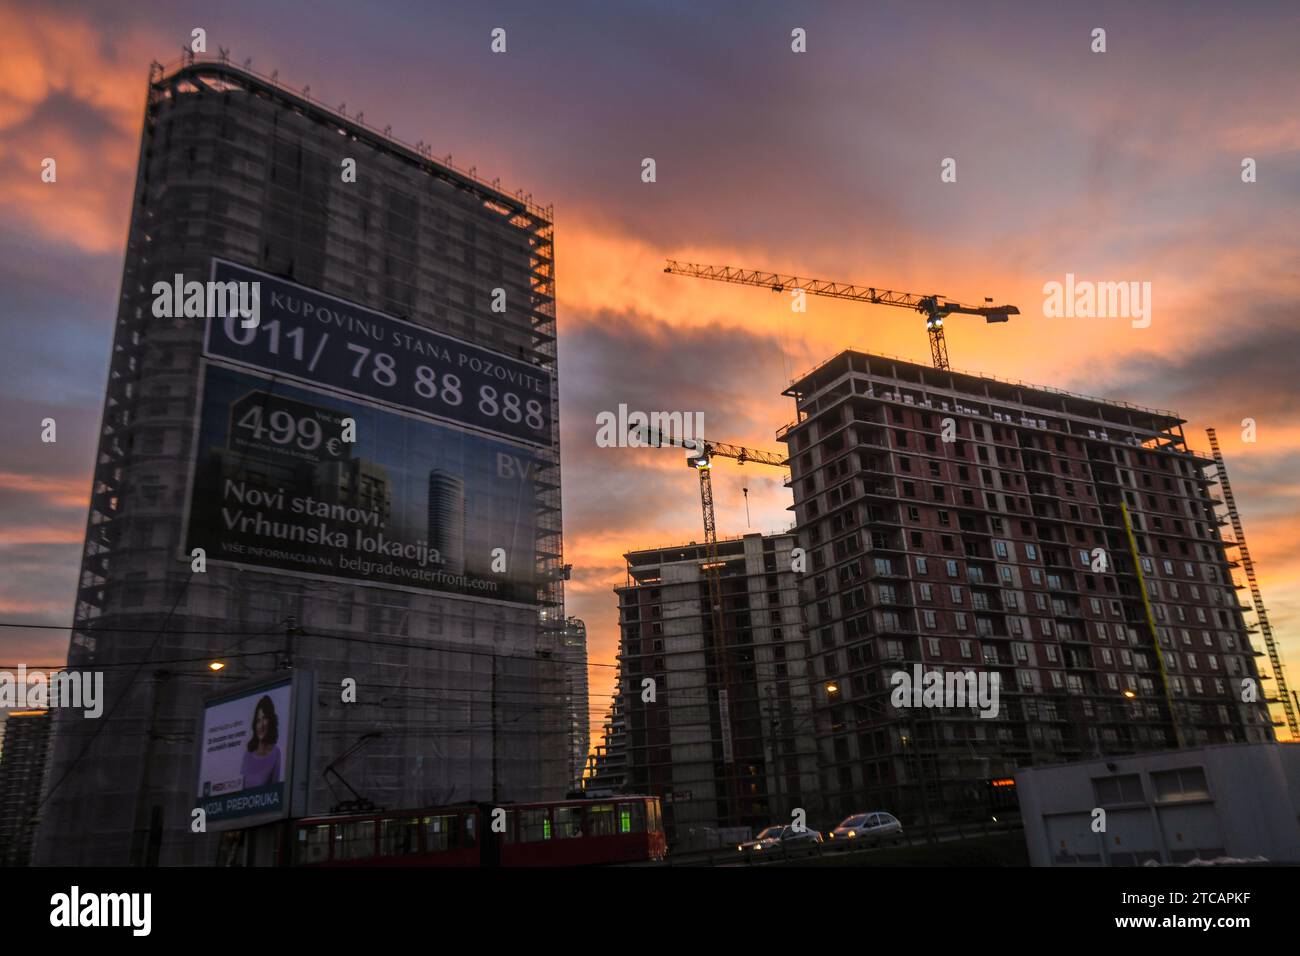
x: 1068, y: 544
x: 576, y: 698
x: 607, y: 761
x: 459, y: 681
x: 721, y: 730
x: 26, y: 739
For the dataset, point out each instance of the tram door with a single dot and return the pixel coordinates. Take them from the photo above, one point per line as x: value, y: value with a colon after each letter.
x: 254, y: 846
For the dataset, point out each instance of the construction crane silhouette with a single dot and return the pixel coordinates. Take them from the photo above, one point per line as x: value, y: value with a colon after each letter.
x: 935, y: 307
x: 1274, y: 657
x: 700, y: 453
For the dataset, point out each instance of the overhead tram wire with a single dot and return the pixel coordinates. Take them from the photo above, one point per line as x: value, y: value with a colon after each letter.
x: 811, y: 682
x: 100, y: 725
x: 423, y: 645
x: 184, y: 590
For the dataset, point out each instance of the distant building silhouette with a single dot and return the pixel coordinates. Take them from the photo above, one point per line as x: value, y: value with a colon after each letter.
x: 575, y: 697
x: 22, y: 777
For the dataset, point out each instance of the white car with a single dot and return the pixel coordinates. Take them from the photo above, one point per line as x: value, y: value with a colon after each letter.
x: 874, y: 827
x: 782, y: 838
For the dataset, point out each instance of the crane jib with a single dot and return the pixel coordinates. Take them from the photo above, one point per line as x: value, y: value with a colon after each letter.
x: 934, y: 307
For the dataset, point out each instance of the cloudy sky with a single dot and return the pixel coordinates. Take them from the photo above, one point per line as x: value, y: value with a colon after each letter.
x: 1117, y: 166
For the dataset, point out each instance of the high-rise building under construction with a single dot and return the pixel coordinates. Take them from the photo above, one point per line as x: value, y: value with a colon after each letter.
x: 577, y: 699
x: 719, y: 726
x: 274, y: 489
x: 1068, y: 545
x: 26, y: 738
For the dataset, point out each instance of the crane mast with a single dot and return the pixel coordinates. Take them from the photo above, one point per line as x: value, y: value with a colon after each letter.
x: 700, y: 455
x: 935, y: 308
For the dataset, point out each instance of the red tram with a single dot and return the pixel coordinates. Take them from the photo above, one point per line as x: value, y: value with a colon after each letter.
x: 619, y: 829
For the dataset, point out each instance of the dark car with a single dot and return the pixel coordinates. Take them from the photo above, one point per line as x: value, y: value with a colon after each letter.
x: 782, y: 840
x: 876, y: 826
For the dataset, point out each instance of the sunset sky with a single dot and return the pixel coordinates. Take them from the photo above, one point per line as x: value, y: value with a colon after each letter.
x: 1116, y: 166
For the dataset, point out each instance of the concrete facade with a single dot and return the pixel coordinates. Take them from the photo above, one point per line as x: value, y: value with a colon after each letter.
x: 677, y: 743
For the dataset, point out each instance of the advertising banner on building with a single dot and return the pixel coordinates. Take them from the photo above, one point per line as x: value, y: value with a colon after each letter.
x: 315, y: 483
x: 245, y: 756
x: 319, y: 339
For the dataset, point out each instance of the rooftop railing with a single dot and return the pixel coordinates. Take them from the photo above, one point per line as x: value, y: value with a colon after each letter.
x: 1017, y: 383
x: 159, y: 72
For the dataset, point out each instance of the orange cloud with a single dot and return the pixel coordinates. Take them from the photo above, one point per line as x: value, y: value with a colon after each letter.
x: 1209, y: 268
x: 40, y: 535
x: 23, y: 606
x: 50, y: 65
x: 615, y: 273
x: 68, y: 492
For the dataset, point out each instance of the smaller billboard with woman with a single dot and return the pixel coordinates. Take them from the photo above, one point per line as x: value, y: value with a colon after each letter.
x: 246, y: 755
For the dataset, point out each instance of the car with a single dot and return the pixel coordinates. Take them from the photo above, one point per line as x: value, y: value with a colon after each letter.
x: 782, y: 839
x: 873, y: 827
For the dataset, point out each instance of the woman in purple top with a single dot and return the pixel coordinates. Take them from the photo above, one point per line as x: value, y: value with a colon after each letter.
x: 262, y: 759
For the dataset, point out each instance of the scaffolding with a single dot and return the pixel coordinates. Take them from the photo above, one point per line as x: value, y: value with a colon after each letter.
x: 237, y: 165
x: 1248, y: 565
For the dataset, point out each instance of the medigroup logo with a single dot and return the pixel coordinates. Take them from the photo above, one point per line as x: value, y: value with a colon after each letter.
x: 37, y: 690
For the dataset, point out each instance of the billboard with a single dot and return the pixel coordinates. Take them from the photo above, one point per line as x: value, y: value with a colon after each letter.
x: 251, y: 739
x: 320, y: 339
x: 408, y: 501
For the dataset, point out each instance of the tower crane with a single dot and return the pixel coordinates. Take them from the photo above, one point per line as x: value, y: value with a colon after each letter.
x: 935, y: 308
x: 700, y: 453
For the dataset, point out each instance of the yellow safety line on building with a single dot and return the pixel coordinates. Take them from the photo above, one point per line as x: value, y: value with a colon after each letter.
x: 1151, y: 622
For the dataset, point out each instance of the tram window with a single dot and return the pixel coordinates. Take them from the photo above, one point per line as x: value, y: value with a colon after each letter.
x: 471, y: 831
x: 656, y: 818
x: 312, y: 844
x: 601, y: 819
x: 509, y: 835
x: 534, y: 825
x: 441, y: 833
x: 631, y: 818
x: 354, y: 841
x: 399, y: 837
x: 568, y: 822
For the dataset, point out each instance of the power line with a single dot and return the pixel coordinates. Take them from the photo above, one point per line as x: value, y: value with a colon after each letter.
x: 120, y: 697
x: 184, y: 589
x: 557, y: 658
